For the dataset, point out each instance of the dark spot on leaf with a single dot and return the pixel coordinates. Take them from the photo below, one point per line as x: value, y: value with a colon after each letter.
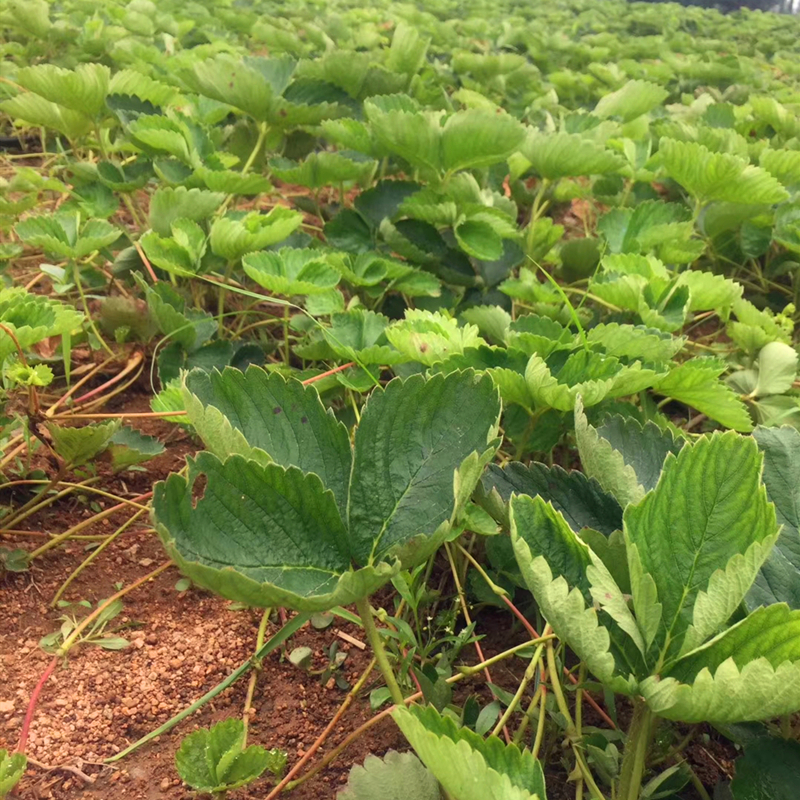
x: 304, y: 420
x: 423, y: 348
x: 282, y: 112
x: 277, y: 410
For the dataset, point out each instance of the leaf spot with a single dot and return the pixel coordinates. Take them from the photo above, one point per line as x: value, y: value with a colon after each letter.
x: 277, y: 410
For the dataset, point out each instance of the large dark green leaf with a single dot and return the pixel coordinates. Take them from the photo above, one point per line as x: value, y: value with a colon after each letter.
x: 768, y: 770
x: 580, y: 499
x: 412, y: 437
x: 235, y: 412
x: 779, y: 579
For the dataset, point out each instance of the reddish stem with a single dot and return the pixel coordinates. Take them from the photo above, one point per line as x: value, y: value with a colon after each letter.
x: 329, y: 372
x: 147, y: 264
x: 589, y: 699
x: 26, y: 725
x: 133, y: 362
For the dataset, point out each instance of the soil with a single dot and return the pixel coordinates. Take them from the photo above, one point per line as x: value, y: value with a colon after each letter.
x: 182, y: 645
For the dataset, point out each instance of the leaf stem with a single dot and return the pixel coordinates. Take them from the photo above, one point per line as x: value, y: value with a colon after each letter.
x: 636, y: 747
x: 530, y: 672
x: 375, y: 641
x: 251, y: 687
x: 76, y: 272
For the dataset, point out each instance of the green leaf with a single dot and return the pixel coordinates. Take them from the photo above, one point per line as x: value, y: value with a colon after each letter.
x: 708, y: 291
x: 396, y: 776
x: 479, y: 138
x: 131, y: 82
x: 12, y: 768
x: 37, y: 112
x: 632, y: 100
x: 468, y: 766
x: 251, y: 85
x: 169, y: 204
x: 190, y: 328
x: 635, y: 341
x: 230, y: 182
x: 711, y: 176
x: 129, y: 447
x: 412, y: 448
x: 749, y: 672
x: 601, y: 461
x: 284, y: 541
x: 684, y: 545
x: 643, y: 447
x: 696, y: 384
x: 554, y: 563
x: 407, y: 53
x: 637, y: 230
x: 79, y: 445
x: 213, y: 760
x: 563, y: 155
x: 768, y: 770
x: 232, y: 237
x: 430, y: 337
x: 783, y: 164
x: 265, y: 417
x: 478, y: 239
x: 32, y: 16
x: 322, y: 169
x: 779, y: 579
x: 290, y: 272
x: 579, y: 499
x: 83, y: 89
x: 359, y: 335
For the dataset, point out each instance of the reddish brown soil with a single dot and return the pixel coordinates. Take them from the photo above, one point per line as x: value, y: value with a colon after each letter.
x: 183, y: 644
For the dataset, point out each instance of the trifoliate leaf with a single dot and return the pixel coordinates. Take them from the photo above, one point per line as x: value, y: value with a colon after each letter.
x: 711, y: 176
x: 562, y: 155
x: 215, y: 760
x: 322, y: 169
x: 232, y: 237
x: 291, y: 272
x: 696, y: 383
x: 79, y: 445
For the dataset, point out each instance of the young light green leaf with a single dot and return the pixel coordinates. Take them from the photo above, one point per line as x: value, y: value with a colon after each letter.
x: 632, y: 100
x: 215, y: 761
x: 290, y: 272
x: 468, y: 766
x: 12, y: 768
x: 234, y: 236
x: 683, y: 544
x: 396, y: 776
x: 79, y: 445
x: 749, y: 672
x: 430, y: 336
